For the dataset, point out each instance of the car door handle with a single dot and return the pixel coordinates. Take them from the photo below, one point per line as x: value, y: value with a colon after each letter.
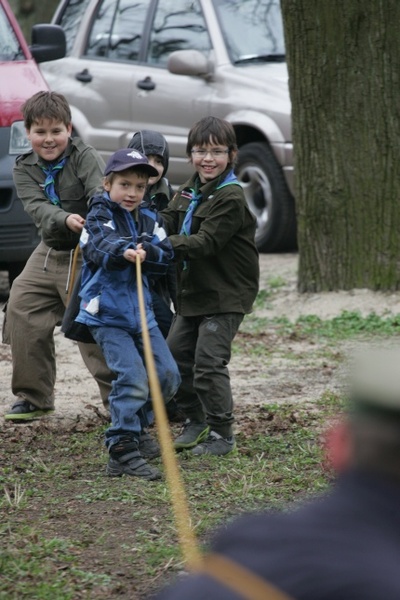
x: 146, y: 84
x: 84, y: 76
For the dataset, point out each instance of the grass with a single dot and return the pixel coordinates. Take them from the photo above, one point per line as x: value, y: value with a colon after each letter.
x: 67, y: 532
x: 36, y: 567
x: 62, y: 519
x: 348, y: 324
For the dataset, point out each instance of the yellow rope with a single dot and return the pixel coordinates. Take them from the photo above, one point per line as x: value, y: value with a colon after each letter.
x: 73, y: 273
x: 186, y: 536
x: 240, y: 579
x: 232, y: 575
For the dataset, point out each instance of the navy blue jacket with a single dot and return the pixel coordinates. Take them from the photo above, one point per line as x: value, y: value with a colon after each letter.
x: 108, y: 287
x: 342, y: 546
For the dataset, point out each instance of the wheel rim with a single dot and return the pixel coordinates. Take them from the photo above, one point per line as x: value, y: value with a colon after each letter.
x: 258, y: 194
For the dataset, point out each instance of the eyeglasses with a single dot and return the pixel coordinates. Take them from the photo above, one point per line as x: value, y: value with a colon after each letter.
x: 217, y: 153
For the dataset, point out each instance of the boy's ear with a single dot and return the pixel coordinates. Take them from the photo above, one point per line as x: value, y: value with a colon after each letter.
x: 232, y: 155
x: 69, y: 129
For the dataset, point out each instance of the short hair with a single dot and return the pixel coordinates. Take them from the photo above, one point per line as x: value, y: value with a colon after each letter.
x: 214, y: 130
x: 113, y: 174
x: 46, y: 105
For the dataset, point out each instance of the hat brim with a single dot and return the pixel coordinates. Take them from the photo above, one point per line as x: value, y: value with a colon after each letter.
x: 145, y: 167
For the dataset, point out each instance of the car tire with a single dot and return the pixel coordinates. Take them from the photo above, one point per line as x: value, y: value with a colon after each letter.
x: 268, y: 197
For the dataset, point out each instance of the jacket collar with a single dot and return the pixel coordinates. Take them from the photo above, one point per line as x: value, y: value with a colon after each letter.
x: 161, y: 187
x: 104, y: 199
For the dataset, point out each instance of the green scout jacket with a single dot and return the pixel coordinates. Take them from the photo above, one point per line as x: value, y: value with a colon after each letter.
x: 75, y: 184
x: 218, y: 268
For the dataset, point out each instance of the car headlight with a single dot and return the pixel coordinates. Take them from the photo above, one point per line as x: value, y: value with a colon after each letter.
x: 19, y: 142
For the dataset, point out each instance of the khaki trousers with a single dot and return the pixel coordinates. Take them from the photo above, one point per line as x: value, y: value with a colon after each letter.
x: 35, y: 307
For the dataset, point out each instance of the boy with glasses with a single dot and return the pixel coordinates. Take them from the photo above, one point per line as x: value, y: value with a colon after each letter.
x: 212, y: 232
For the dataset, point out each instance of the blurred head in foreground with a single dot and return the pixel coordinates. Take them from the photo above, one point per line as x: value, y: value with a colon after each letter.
x: 369, y: 438
x: 344, y: 543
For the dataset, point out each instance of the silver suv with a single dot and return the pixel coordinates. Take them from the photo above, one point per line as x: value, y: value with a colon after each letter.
x: 164, y: 64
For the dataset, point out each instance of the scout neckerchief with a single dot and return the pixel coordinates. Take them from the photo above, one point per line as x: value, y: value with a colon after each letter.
x: 51, y: 171
x: 230, y: 179
x: 187, y: 221
x: 195, y: 199
x: 194, y: 202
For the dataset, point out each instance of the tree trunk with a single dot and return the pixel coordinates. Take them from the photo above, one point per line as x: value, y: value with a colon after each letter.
x: 31, y: 12
x: 344, y: 68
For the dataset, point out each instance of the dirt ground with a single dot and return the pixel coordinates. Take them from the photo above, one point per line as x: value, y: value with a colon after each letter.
x: 254, y: 380
x: 266, y: 367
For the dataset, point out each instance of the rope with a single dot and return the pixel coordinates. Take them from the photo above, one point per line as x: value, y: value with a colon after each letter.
x: 240, y: 579
x: 186, y: 536
x: 72, y: 273
x: 224, y: 570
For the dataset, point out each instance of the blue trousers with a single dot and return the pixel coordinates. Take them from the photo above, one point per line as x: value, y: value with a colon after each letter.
x: 124, y: 354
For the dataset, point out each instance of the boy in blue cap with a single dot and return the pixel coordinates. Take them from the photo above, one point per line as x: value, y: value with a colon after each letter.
x: 118, y: 232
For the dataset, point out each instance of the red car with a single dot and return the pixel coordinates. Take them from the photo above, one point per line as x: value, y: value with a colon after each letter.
x: 20, y: 78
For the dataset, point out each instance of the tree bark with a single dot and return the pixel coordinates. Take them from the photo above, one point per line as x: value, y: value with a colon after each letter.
x: 31, y: 12
x: 344, y: 68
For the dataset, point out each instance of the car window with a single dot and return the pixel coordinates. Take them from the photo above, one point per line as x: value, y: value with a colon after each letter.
x: 252, y: 29
x: 9, y: 45
x: 70, y: 18
x: 178, y: 25
x: 117, y: 29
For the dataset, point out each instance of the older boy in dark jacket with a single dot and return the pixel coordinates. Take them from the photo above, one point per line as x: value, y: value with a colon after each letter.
x: 212, y: 232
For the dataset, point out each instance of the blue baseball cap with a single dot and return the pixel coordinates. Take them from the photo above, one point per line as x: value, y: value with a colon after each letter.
x: 127, y: 158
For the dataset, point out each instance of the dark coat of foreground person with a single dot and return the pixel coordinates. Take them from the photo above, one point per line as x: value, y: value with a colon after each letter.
x: 345, y: 544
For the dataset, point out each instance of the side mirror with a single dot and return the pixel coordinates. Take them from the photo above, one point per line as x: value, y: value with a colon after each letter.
x: 48, y: 42
x: 190, y: 62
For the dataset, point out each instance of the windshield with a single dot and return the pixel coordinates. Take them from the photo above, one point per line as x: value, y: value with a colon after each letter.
x: 9, y: 45
x: 253, y: 29
x: 70, y: 18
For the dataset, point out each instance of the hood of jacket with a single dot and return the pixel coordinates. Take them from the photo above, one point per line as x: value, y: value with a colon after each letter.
x: 148, y: 142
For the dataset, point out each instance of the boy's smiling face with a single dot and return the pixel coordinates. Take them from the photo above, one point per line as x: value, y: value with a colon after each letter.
x: 211, y: 159
x: 127, y: 188
x: 49, y: 138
